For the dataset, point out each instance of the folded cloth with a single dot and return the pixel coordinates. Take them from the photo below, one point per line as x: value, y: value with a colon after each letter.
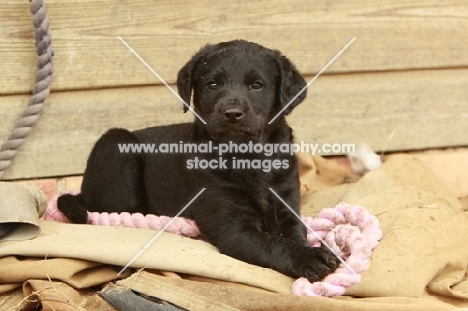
x: 420, y: 263
x: 350, y: 232
x: 21, y: 206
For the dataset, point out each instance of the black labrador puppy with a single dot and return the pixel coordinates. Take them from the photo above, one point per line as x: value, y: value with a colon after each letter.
x: 238, y: 87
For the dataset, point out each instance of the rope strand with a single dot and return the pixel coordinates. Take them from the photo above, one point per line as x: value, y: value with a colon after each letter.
x: 40, y: 91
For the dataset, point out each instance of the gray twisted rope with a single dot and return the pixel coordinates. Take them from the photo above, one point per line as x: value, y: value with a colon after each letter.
x: 41, y: 89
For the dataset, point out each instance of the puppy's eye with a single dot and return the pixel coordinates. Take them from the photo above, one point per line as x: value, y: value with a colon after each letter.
x: 257, y: 86
x: 212, y: 86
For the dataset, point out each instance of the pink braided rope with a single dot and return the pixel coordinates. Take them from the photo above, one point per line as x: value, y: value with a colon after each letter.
x: 352, y: 232
x: 181, y: 226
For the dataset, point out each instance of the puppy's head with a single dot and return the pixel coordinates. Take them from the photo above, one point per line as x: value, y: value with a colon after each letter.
x: 238, y: 87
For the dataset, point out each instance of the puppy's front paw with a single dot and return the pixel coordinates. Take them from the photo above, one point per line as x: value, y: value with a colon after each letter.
x: 316, y: 263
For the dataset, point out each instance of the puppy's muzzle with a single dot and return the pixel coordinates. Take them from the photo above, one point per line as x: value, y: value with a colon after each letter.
x: 232, y: 110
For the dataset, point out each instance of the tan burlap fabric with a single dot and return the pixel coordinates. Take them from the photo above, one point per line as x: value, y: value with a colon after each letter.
x: 420, y: 263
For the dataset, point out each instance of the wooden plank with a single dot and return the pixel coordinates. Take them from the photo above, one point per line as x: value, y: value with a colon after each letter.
x: 391, y: 35
x: 72, y: 121
x: 392, y: 111
x: 424, y: 109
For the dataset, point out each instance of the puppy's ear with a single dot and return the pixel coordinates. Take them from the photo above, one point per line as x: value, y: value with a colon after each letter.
x: 184, y: 82
x: 291, y: 83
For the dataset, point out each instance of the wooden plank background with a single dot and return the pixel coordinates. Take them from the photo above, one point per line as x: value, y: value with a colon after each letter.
x: 402, y: 85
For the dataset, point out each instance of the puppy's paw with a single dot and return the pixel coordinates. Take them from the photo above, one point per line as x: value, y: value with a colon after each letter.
x: 316, y: 263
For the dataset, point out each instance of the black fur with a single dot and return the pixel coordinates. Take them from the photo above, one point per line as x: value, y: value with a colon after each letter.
x: 238, y: 87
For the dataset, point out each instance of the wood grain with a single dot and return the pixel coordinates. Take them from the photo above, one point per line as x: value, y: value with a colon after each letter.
x: 423, y: 109
x: 390, y: 111
x: 391, y: 35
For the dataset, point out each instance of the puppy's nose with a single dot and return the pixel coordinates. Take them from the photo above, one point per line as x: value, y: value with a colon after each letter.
x: 233, y: 115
